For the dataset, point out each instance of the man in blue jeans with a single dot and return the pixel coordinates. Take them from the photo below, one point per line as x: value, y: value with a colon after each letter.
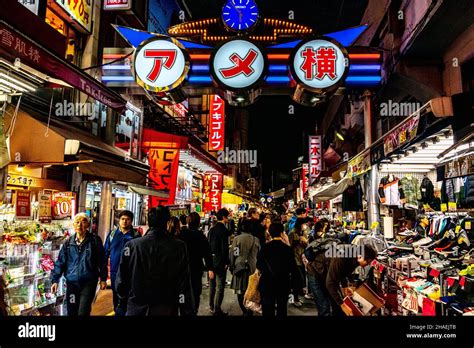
x: 114, y: 245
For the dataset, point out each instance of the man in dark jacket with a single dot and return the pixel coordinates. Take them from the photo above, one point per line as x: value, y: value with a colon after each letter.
x: 154, y: 276
x: 340, y: 268
x: 256, y: 227
x: 219, y: 240
x: 198, y: 249
x: 82, y: 262
x: 114, y: 245
x: 277, y: 265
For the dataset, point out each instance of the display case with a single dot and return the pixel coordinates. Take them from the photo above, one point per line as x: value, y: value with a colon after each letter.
x: 27, y: 254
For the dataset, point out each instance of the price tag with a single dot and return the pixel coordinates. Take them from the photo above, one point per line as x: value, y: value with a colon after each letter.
x: 467, y: 225
x: 452, y: 206
x: 444, y: 207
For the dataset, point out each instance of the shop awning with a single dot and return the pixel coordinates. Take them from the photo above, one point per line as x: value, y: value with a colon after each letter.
x: 148, y: 191
x: 200, y: 160
x: 39, y: 144
x: 14, y: 44
x: 332, y: 191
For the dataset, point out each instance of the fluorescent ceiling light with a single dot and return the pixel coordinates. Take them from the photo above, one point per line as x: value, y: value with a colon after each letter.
x: 18, y: 82
x: 12, y: 85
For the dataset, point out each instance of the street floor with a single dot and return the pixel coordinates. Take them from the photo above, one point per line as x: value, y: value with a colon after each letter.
x: 103, y: 305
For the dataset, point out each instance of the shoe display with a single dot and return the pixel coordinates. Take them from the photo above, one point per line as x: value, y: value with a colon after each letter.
x: 298, y: 304
x: 469, y: 271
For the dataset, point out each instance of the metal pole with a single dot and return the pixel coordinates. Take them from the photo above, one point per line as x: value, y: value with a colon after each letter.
x: 371, y: 191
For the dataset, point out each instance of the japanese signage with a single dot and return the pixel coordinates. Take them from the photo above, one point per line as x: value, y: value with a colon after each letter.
x: 212, y: 192
x: 23, y: 205
x: 31, y: 5
x: 79, y: 10
x: 401, y: 136
x: 238, y: 64
x: 111, y: 5
x: 216, y: 124
x: 64, y: 205
x: 178, y: 210
x: 304, y: 179
x: 315, y: 161
x: 21, y: 180
x: 19, y: 47
x: 180, y: 109
x: 44, y: 208
x: 160, y: 65
x: 163, y: 173
x: 359, y: 164
x: 319, y: 64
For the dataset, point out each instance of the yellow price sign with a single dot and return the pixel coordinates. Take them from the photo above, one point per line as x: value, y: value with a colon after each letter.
x: 452, y: 206
x: 467, y: 225
x: 444, y: 207
x: 374, y: 225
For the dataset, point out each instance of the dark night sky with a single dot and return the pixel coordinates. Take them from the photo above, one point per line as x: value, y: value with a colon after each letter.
x: 277, y: 136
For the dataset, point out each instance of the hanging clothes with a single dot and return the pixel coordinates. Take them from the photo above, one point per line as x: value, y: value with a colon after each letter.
x: 410, y: 187
x: 352, y: 197
x: 390, y: 191
x: 469, y: 192
x: 426, y: 190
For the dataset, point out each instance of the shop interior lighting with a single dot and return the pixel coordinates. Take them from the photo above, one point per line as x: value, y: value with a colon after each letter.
x: 20, y: 167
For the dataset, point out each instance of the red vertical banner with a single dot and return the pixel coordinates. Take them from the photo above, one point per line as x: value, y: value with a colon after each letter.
x: 305, y: 179
x: 216, y: 124
x: 23, y: 204
x: 163, y: 173
x: 212, y: 192
x: 315, y: 161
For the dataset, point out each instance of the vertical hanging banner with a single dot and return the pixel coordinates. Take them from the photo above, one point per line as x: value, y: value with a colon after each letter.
x: 163, y: 173
x: 213, y: 192
x: 216, y: 124
x: 304, y: 179
x: 315, y: 163
x: 23, y: 205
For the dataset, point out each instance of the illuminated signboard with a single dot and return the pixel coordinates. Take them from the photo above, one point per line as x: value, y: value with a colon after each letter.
x: 160, y: 64
x: 238, y: 64
x: 79, y: 10
x: 319, y: 64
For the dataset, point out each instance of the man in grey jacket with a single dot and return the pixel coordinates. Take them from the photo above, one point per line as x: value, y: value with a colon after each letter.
x: 243, y: 262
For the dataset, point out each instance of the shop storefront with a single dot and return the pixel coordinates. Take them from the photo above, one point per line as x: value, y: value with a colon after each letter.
x: 418, y: 179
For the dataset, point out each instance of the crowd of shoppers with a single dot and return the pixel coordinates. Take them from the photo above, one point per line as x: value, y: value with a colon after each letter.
x: 161, y: 272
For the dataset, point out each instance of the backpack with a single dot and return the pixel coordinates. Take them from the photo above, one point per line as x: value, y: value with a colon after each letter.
x: 315, y: 253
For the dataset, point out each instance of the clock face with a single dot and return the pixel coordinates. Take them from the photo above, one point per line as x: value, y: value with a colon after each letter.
x: 240, y: 14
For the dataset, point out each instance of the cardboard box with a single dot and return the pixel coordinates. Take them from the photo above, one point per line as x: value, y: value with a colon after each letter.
x: 369, y: 302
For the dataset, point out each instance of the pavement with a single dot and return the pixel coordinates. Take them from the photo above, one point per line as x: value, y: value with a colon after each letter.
x: 103, y: 305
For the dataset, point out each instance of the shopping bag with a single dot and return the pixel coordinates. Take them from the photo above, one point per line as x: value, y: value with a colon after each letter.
x: 252, y: 295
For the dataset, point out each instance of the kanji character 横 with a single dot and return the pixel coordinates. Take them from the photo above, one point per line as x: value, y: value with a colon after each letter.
x: 326, y: 63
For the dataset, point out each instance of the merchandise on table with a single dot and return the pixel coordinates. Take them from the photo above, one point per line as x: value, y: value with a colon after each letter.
x: 27, y: 254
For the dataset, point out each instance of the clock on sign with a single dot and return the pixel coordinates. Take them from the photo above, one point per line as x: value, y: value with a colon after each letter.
x: 240, y: 15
